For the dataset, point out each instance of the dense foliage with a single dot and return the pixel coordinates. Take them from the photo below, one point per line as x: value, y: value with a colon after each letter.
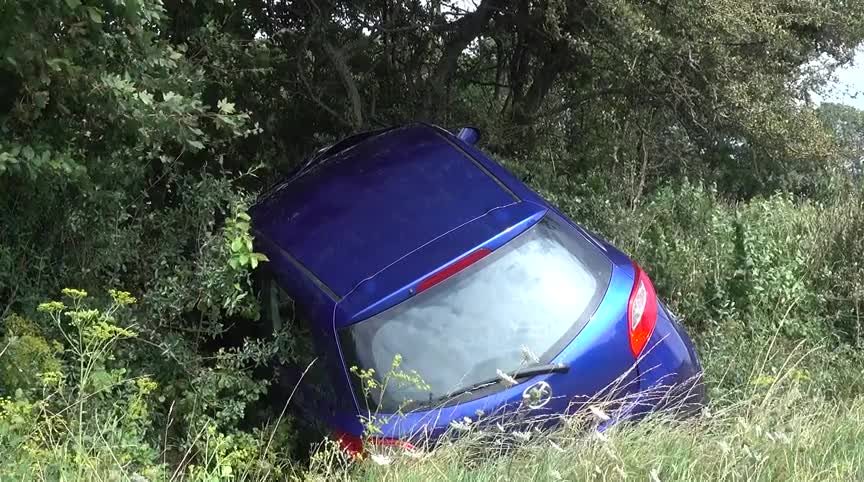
x: 135, y: 133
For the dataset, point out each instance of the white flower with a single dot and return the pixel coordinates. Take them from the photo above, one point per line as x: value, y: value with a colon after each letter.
x: 461, y: 424
x: 381, y: 459
x: 506, y: 378
x: 655, y: 475
x: 523, y: 436
x: 599, y: 413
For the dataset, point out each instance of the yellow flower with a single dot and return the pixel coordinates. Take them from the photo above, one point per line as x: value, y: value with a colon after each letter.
x: 146, y: 385
x: 74, y: 294
x: 122, y: 297
x: 51, y: 307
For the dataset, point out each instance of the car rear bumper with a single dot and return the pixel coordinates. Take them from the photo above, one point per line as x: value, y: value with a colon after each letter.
x: 670, y: 375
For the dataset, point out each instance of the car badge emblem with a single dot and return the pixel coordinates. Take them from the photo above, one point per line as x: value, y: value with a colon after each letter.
x: 537, y: 395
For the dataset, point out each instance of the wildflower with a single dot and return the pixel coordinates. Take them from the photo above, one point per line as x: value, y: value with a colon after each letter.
x: 51, y: 378
x: 51, y: 307
x: 463, y: 425
x: 510, y: 381
x: 74, y: 294
x: 523, y: 436
x: 122, y: 297
x: 381, y: 459
x: 145, y: 385
x: 83, y: 317
x: 599, y: 413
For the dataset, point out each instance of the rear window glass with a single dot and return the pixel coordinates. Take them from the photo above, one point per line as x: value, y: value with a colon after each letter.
x: 518, y: 306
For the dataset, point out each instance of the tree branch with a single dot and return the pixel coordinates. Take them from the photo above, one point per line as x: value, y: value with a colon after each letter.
x: 464, y: 31
x: 338, y: 59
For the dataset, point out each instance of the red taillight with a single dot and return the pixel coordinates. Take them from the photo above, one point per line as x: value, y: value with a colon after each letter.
x: 353, y: 445
x: 641, y: 311
x: 452, y: 268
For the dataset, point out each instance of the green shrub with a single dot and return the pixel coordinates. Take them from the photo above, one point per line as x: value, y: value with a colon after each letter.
x: 24, y: 355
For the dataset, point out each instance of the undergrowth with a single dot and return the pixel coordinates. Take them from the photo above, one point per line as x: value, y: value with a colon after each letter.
x: 769, y: 288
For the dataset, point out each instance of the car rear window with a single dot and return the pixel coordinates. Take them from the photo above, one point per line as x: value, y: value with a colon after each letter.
x: 518, y: 306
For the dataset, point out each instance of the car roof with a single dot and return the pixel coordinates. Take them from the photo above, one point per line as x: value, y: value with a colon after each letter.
x: 348, y: 216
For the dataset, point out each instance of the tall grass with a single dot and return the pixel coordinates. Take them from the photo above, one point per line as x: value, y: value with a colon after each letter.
x: 780, y: 430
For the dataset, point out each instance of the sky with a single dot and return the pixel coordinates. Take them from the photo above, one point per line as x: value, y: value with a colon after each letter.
x: 848, y: 87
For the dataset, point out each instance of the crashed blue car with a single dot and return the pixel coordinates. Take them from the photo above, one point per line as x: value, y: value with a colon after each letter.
x: 410, y: 244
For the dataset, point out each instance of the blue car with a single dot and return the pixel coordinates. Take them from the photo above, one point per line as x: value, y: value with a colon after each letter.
x: 409, y: 244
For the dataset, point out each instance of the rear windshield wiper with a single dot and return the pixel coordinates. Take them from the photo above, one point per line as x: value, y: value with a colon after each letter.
x: 526, y: 372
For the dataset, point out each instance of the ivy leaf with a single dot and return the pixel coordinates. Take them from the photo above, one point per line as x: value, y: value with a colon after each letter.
x: 225, y: 107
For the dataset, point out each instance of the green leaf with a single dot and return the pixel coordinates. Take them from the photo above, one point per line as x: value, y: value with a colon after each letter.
x: 236, y: 244
x: 94, y: 14
x: 195, y: 144
x: 28, y: 153
x: 253, y: 261
x: 145, y: 97
x: 225, y: 107
x: 73, y: 4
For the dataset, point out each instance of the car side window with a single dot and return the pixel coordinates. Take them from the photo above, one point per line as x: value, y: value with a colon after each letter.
x: 295, y: 343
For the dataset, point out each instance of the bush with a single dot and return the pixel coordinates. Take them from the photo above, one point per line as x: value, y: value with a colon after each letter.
x: 774, y: 270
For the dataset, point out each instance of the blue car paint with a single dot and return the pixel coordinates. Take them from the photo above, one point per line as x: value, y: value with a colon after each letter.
x: 393, y: 284
x: 347, y: 261
x: 596, y: 367
x: 328, y: 217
